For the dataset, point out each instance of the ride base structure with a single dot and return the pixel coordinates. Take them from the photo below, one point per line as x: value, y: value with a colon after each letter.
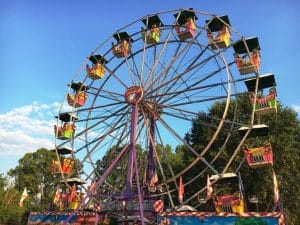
x: 167, y: 218
x: 146, y: 98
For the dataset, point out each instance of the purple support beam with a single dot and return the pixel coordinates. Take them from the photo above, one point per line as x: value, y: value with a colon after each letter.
x: 151, y: 165
x: 132, y: 153
x: 97, y: 219
x: 140, y: 196
x: 99, y: 182
x: 134, y: 118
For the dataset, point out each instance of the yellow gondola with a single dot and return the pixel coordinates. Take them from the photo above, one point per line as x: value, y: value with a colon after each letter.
x: 220, y: 26
x: 98, y: 69
x: 228, y: 195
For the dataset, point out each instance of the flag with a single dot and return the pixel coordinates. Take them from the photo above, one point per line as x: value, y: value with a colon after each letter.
x: 56, y: 196
x: 123, y: 205
x: 209, y: 189
x: 154, y: 180
x: 73, y: 193
x: 40, y: 194
x: 181, y: 190
x: 38, y: 198
x: 276, y: 191
x: 23, y: 197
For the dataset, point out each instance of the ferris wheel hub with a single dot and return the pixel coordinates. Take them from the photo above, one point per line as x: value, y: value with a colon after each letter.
x: 134, y: 94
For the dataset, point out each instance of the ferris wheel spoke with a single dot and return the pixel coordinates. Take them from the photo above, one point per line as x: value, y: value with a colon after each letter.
x: 164, y: 91
x: 130, y: 71
x: 202, y: 122
x: 201, y: 100
x: 163, y: 74
x: 106, y: 113
x: 177, y: 136
x: 191, y: 97
x: 192, y: 88
x: 113, y: 98
x: 179, y: 116
x: 173, y: 58
x: 141, y: 73
x: 107, y: 145
x: 186, y: 90
x: 188, y: 115
x: 166, y: 69
x: 186, y: 71
x: 112, y: 123
x: 112, y: 74
x: 105, y: 118
x: 109, y: 94
x: 165, y: 155
x: 112, y: 128
x: 95, y: 141
x: 184, y: 56
x: 83, y: 110
x: 183, y: 53
x: 113, y: 108
x: 138, y: 74
x: 155, y: 154
x: 199, y: 81
x: 156, y: 60
x: 181, y: 83
x: 204, y: 171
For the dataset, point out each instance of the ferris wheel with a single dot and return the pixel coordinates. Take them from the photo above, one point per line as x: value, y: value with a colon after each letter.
x: 136, y: 96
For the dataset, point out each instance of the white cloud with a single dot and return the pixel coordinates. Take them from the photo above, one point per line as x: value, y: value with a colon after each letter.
x: 19, y: 143
x: 27, y: 128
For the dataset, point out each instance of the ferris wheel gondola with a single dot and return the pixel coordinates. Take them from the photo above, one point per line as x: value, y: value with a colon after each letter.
x: 264, y: 105
x: 247, y: 56
x: 228, y: 195
x: 221, y: 26
x: 185, y: 27
x: 153, y: 33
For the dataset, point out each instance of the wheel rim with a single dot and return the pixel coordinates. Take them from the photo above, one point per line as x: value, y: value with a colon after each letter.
x: 177, y: 79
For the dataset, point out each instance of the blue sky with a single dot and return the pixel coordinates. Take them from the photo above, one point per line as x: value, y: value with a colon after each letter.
x: 43, y: 43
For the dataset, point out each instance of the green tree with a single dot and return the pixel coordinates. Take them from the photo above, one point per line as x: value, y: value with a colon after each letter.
x: 34, y: 173
x: 10, y: 212
x: 284, y: 137
x: 115, y: 181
